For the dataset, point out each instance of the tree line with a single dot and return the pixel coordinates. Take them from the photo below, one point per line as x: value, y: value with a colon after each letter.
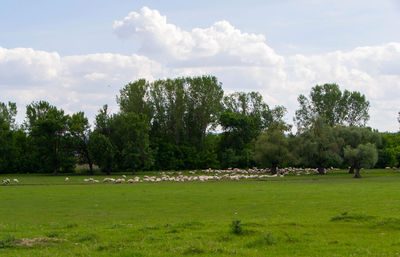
x: 189, y: 123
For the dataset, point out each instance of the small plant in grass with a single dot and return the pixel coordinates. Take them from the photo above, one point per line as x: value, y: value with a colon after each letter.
x: 86, y: 237
x: 8, y: 241
x: 269, y: 239
x: 236, y: 227
x: 52, y: 234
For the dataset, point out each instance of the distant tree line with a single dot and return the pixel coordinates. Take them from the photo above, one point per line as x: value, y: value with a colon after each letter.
x: 188, y: 123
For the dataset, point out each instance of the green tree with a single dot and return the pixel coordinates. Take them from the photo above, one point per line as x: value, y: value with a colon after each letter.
x: 134, y: 98
x: 8, y: 113
x: 203, y: 107
x: 363, y: 156
x: 48, y: 128
x: 180, y: 112
x: 336, y: 107
x: 130, y: 138
x: 102, y: 151
x: 353, y: 136
x: 272, y: 148
x: 319, y: 146
x: 244, y: 117
x: 102, y: 121
x: 389, y: 150
x: 79, y: 128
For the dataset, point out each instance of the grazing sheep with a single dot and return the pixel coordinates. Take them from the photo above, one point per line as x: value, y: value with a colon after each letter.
x: 5, y: 181
x: 16, y: 181
x: 124, y: 176
x: 66, y: 179
x: 108, y: 180
x: 119, y: 181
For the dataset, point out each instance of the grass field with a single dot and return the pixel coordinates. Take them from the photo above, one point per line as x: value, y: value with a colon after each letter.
x: 314, y: 215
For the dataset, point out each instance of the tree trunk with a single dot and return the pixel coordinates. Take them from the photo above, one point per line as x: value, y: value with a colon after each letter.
x: 89, y: 160
x: 133, y: 172
x: 351, y: 170
x: 321, y: 171
x: 273, y: 169
x: 357, y: 174
x: 91, y: 167
x: 55, y: 162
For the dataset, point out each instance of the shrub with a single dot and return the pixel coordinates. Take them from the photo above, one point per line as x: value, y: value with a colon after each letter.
x: 236, y: 227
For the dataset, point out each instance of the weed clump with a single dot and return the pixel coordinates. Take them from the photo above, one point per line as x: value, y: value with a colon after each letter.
x: 267, y: 240
x: 236, y: 227
x: 53, y: 234
x: 8, y: 241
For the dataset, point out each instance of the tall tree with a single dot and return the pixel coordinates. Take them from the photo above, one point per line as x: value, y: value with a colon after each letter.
x: 79, y: 128
x: 7, y: 118
x: 179, y: 111
x: 244, y: 117
x: 203, y: 106
x: 48, y: 129
x: 134, y: 97
x: 8, y: 113
x: 102, y: 151
x: 336, y: 107
x: 130, y: 139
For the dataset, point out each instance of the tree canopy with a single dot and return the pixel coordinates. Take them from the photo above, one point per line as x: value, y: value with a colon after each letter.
x: 336, y: 107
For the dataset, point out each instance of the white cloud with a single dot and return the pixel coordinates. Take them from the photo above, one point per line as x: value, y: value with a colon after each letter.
x: 241, y: 61
x: 73, y: 83
x: 161, y: 39
x: 19, y: 65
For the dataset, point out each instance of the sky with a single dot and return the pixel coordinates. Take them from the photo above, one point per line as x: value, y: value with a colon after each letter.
x: 78, y: 54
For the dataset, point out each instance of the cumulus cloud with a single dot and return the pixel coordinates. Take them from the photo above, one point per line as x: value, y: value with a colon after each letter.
x: 241, y: 61
x: 74, y: 83
x: 161, y: 39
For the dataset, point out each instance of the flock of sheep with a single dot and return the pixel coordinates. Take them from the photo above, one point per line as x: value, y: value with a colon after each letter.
x: 207, y: 175
x: 229, y: 174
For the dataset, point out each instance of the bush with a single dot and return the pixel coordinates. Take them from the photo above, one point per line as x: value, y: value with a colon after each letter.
x: 236, y: 227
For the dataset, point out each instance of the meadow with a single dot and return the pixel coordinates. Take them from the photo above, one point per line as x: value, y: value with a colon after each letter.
x: 308, y: 215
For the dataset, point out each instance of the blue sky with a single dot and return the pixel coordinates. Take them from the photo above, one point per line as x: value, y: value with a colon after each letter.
x: 308, y: 27
x: 358, y: 43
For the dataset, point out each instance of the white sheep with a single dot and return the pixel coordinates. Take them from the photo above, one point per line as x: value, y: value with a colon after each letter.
x: 66, y: 179
x: 5, y: 181
x: 124, y: 176
x: 16, y: 181
x: 118, y: 181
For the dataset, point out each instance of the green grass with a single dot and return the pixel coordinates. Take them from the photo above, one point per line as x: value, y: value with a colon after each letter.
x: 309, y: 215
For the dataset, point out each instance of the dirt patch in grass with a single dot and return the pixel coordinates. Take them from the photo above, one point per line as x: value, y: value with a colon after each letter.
x: 28, y: 242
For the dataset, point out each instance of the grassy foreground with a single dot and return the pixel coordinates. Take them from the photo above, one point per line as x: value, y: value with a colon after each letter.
x: 331, y: 215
